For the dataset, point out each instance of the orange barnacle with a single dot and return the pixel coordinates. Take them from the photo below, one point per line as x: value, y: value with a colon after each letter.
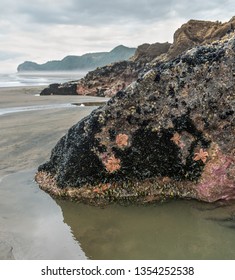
x: 96, y: 190
x: 104, y: 187
x: 122, y: 140
x: 201, y: 155
x: 176, y: 138
x: 112, y: 164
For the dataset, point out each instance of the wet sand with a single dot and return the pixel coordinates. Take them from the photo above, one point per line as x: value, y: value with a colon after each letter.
x: 28, y: 137
x: 26, y: 141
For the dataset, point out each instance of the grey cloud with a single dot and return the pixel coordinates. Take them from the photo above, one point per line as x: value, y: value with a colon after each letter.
x: 100, y: 12
x: 5, y: 55
x: 197, y: 9
x: 93, y: 12
x: 47, y: 29
x: 116, y: 11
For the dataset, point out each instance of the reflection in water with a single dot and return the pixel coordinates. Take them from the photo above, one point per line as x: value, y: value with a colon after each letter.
x: 174, y: 230
x: 32, y: 226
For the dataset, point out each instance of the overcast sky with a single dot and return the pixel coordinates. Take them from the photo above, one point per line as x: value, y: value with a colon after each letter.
x: 41, y: 30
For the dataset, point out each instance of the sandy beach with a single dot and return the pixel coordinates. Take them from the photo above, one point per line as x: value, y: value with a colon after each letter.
x: 27, y: 137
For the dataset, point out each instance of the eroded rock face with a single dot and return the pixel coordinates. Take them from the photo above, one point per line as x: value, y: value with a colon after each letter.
x: 198, y: 32
x: 169, y: 134
x: 107, y: 80
x: 147, y: 52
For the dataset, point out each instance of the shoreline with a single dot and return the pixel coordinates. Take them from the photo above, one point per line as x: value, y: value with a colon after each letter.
x: 130, y: 192
x: 27, y: 96
x: 26, y: 141
x: 28, y: 137
x: 33, y: 235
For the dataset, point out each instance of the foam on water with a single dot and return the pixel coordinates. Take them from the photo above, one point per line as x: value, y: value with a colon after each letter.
x: 5, y: 111
x: 37, y: 78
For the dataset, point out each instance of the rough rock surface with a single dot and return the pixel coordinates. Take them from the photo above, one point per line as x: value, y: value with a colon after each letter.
x: 147, y: 52
x: 197, y: 32
x: 106, y: 81
x: 170, y: 134
x: 58, y: 89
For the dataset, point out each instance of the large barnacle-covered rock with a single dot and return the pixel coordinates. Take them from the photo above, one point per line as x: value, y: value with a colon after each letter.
x: 170, y: 134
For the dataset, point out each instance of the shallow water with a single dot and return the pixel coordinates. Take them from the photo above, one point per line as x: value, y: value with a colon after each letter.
x: 173, y: 230
x: 38, y: 78
x: 12, y: 110
x: 31, y: 223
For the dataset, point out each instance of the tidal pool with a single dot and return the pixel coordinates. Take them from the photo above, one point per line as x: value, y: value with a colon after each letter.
x: 37, y: 226
x: 173, y: 230
x: 31, y: 223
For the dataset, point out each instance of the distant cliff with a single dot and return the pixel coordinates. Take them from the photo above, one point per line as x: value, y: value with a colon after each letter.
x: 87, y: 61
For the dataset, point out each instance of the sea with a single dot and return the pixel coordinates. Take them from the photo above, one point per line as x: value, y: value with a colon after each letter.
x: 38, y: 78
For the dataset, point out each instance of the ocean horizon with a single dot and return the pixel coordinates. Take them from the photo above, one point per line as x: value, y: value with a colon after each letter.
x: 38, y: 78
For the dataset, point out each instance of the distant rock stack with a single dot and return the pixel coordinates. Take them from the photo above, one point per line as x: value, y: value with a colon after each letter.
x: 170, y: 134
x: 58, y: 89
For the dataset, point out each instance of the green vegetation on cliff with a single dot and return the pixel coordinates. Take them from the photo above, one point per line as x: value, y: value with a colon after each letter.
x: 86, y: 61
